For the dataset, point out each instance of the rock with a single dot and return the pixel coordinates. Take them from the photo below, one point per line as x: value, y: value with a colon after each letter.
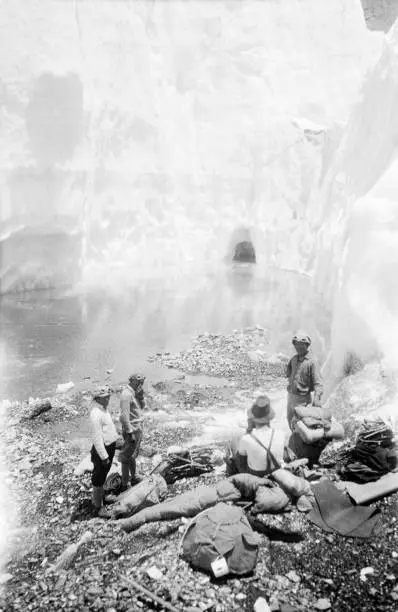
x: 293, y: 576
x: 59, y: 499
x: 261, y: 605
x: 65, y: 387
x: 156, y: 459
x: 323, y: 604
x: 365, y: 571
x: 154, y: 573
x: 240, y: 596
x: 39, y: 406
x: 5, y: 578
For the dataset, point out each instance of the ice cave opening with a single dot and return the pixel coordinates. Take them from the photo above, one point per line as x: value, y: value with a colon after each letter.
x: 244, y: 252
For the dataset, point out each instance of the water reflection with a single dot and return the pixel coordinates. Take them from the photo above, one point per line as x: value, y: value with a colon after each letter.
x: 52, y: 337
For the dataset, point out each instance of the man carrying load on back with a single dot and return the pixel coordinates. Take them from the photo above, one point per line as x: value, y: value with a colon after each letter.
x: 304, y: 377
x: 131, y: 406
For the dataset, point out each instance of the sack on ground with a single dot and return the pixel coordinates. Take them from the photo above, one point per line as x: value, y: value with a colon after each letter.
x: 309, y: 436
x: 291, y: 484
x: 314, y: 412
x: 221, y: 534
x: 112, y: 483
x: 270, y: 500
x: 147, y: 493
x: 336, y: 431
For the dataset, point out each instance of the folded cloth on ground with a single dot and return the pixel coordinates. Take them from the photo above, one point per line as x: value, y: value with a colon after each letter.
x: 334, y: 511
x: 363, y: 493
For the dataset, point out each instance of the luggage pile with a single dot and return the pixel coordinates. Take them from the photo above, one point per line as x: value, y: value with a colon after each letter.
x: 373, y: 455
x: 312, y: 425
x: 186, y: 463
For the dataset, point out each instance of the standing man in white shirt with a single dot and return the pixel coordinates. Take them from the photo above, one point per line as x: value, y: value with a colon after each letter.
x: 131, y: 405
x: 104, y: 436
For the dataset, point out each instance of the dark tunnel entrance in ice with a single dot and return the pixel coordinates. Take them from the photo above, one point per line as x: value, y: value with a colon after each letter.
x: 244, y: 252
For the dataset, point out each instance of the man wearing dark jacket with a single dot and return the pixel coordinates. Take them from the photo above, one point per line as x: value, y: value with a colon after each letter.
x: 131, y: 405
x: 305, y: 380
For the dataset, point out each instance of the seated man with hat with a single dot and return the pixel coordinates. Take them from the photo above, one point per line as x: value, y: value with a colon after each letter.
x: 260, y: 451
x: 104, y: 436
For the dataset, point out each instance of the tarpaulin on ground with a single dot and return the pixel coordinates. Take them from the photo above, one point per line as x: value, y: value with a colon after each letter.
x: 334, y: 511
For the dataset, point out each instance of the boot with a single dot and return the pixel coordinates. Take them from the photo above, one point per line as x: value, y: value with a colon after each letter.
x: 135, y: 478
x: 103, y: 513
x: 125, y: 477
x: 99, y: 510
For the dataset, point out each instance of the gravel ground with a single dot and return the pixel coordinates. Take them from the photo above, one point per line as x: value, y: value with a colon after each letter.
x: 321, y: 571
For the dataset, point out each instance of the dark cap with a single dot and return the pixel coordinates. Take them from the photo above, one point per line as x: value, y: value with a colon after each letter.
x: 301, y: 337
x: 136, y: 379
x: 103, y: 391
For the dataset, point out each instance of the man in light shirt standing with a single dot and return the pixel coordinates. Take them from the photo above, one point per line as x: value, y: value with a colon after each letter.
x: 131, y: 403
x: 104, y: 436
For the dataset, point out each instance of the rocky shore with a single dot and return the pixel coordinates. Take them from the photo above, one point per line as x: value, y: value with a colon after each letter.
x: 320, y: 572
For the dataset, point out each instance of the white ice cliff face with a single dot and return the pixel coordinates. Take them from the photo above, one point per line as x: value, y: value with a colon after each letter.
x: 139, y: 137
x: 359, y: 242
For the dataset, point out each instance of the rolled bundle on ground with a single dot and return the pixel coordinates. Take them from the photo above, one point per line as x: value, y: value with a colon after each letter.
x: 313, y: 424
x: 188, y: 504
x: 291, y: 484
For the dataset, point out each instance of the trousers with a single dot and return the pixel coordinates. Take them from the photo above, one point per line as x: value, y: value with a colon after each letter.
x: 100, y: 472
x: 292, y: 402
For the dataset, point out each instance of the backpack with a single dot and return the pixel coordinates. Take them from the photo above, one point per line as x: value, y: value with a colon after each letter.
x: 220, y: 540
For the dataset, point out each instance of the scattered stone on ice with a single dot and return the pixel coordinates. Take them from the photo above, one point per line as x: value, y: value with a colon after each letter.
x: 5, y: 578
x: 365, y: 571
x: 323, y: 604
x: 65, y: 387
x: 293, y: 576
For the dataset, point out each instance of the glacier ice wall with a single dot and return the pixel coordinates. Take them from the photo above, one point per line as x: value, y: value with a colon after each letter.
x: 139, y: 136
x: 359, y: 242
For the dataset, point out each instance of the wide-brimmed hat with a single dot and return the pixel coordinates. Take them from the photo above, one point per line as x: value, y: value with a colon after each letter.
x: 136, y: 379
x: 261, y: 410
x: 301, y: 337
x: 101, y: 392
